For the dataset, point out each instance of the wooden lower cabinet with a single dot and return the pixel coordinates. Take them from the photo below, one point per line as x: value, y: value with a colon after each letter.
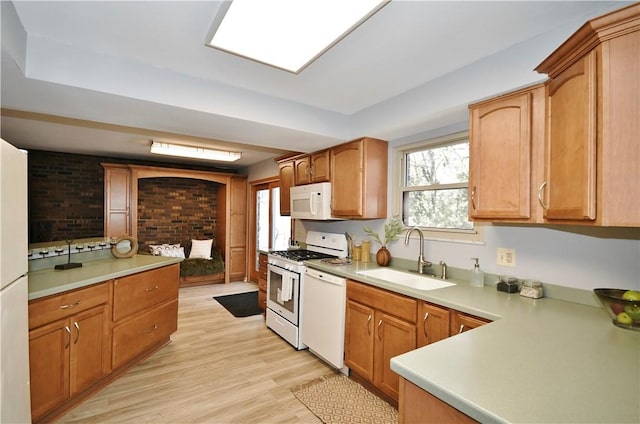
x: 379, y: 326
x: 262, y: 281
x: 433, y: 323
x: 67, y: 356
x: 462, y: 322
x: 417, y: 406
x: 82, y: 339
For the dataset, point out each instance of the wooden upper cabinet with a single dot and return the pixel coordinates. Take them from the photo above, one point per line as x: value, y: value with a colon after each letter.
x: 359, y: 179
x: 302, y: 169
x: 313, y: 168
x: 320, y: 166
x: 287, y: 180
x: 506, y: 139
x: 592, y: 127
x: 571, y: 142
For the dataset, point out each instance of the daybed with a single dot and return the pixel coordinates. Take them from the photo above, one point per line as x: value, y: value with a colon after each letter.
x: 203, y: 262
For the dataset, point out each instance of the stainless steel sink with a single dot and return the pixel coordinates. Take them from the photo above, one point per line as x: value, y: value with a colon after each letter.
x: 407, y: 279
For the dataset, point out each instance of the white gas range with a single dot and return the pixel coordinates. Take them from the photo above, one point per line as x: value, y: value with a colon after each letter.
x: 285, y: 282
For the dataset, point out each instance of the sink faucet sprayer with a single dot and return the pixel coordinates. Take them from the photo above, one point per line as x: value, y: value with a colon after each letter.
x: 422, y: 263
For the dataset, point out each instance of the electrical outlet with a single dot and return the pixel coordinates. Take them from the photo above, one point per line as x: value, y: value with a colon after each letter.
x: 506, y: 257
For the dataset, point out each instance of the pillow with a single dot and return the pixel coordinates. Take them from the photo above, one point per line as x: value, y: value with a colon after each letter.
x: 156, y: 249
x: 201, y: 249
x: 172, y: 252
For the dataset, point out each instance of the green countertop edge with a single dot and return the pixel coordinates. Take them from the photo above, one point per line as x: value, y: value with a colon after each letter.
x: 572, y: 318
x: 47, y: 282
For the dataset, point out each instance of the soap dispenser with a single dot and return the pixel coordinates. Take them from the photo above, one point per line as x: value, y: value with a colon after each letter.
x: 477, y: 276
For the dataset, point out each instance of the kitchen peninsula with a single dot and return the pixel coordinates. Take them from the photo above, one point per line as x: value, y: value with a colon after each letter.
x: 540, y: 360
x: 88, y: 325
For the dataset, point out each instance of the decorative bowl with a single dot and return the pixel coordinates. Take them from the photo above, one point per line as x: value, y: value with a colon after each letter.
x: 624, y: 313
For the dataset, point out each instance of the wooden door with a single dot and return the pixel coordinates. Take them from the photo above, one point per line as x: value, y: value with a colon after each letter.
x: 359, y: 339
x: 49, y: 366
x: 433, y: 324
x: 393, y: 337
x: 570, y: 154
x: 90, y: 347
x: 500, y: 161
x: 287, y: 180
x: 320, y: 167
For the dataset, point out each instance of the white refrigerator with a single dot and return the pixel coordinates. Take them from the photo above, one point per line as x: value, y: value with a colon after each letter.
x: 15, y: 404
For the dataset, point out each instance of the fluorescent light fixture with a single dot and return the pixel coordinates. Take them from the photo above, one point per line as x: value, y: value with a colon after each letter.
x: 195, y: 152
x: 287, y: 34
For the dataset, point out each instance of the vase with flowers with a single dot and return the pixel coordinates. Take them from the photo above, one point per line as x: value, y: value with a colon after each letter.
x: 392, y: 230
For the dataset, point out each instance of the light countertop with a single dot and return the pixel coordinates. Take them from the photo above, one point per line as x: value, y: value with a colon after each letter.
x: 540, y: 361
x: 50, y: 281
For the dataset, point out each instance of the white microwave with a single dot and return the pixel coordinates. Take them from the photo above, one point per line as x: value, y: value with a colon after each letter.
x: 311, y: 201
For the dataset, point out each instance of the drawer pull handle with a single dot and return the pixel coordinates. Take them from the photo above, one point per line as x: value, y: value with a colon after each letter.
x: 379, y: 334
x: 75, y: 324
x: 72, y: 305
x: 152, y: 329
x: 66, y: 328
x: 461, y: 329
x: 152, y: 288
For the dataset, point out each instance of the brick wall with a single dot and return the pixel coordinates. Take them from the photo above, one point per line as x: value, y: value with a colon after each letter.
x: 175, y: 210
x: 66, y: 200
x: 66, y: 196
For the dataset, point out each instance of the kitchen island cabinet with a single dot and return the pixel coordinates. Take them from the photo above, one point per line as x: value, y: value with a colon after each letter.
x: 89, y: 325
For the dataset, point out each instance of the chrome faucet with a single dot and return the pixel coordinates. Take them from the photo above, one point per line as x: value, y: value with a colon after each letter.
x: 422, y: 263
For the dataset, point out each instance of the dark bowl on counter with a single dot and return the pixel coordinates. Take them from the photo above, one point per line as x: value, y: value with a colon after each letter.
x: 625, y: 313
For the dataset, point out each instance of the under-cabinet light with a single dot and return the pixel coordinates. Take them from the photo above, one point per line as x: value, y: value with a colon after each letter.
x: 169, y: 149
x: 287, y: 34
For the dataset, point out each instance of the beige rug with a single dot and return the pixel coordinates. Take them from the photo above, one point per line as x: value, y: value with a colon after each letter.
x: 337, y: 399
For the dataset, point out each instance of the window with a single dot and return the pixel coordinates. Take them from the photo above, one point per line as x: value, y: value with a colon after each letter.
x: 433, y: 187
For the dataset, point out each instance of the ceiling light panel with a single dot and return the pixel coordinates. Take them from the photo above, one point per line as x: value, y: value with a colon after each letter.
x: 287, y: 34
x: 195, y: 152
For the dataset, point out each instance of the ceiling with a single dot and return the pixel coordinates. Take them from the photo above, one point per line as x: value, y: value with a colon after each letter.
x: 105, y: 78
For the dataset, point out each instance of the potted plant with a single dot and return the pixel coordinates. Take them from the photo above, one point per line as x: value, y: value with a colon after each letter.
x: 392, y: 230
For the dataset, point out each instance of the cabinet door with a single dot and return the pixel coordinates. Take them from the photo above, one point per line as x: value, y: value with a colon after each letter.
x: 287, y: 180
x: 500, y: 161
x: 393, y: 337
x: 433, y: 324
x: 346, y: 170
x: 90, y: 346
x: 571, y: 142
x: 461, y: 323
x: 359, y: 339
x: 320, y: 167
x: 117, y: 200
x: 49, y: 366
x: 302, y: 168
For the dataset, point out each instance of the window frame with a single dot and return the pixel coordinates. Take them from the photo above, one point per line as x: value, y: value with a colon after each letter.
x: 472, y: 236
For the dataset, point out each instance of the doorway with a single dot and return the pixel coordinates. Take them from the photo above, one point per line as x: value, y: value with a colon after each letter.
x: 268, y: 230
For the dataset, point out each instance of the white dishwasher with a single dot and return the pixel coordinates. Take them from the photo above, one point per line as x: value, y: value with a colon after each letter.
x: 323, y: 316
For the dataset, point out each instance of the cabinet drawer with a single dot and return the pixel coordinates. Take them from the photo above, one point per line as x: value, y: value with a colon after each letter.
x: 135, y: 336
x: 59, y: 306
x: 140, y: 291
x: 394, y: 304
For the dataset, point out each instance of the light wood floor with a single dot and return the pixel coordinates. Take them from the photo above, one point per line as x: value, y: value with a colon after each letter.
x: 218, y: 369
